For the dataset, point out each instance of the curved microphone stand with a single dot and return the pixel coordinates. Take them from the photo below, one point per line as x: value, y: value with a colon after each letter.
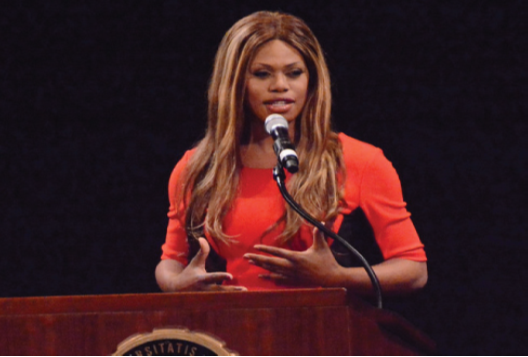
x: 278, y: 175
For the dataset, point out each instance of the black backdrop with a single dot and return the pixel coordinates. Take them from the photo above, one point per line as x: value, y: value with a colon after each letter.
x: 98, y: 100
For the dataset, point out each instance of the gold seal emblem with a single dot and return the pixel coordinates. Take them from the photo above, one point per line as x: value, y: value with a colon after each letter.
x: 172, y: 342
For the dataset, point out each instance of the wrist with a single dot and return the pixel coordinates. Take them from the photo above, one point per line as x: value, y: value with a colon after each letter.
x: 337, y: 278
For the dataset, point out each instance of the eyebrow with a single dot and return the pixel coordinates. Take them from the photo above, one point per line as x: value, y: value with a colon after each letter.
x: 271, y: 67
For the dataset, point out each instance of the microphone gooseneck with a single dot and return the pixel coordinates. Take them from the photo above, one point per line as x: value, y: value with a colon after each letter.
x: 277, y: 127
x: 278, y: 175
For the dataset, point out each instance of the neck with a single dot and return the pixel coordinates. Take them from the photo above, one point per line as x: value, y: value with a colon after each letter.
x: 258, y: 132
x: 258, y: 135
x: 258, y: 152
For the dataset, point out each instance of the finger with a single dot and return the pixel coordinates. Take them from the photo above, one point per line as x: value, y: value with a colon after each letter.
x: 283, y: 280
x: 269, y: 263
x: 214, y: 287
x: 200, y: 257
x: 277, y: 271
x: 204, y: 246
x: 319, y: 241
x: 215, y: 278
x: 278, y: 252
x: 232, y: 288
x: 273, y: 276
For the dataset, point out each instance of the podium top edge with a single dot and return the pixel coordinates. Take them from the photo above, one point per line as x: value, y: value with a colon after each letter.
x: 172, y: 301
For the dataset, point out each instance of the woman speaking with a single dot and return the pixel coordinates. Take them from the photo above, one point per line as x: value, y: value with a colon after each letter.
x: 229, y: 227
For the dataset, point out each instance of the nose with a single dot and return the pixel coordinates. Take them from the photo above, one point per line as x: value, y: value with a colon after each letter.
x: 279, y: 84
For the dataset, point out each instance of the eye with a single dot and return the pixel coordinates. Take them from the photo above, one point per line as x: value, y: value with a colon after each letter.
x: 261, y: 74
x: 296, y: 73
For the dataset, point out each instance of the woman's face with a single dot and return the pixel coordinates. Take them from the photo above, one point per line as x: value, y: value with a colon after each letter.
x: 277, y: 82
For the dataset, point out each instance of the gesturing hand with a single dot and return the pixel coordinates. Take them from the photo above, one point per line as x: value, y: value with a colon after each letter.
x: 315, y: 266
x: 194, y: 276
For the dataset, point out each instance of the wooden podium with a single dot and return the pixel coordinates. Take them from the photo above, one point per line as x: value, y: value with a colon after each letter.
x: 287, y: 322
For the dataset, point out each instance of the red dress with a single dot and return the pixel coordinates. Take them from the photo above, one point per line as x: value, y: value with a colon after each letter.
x: 371, y: 184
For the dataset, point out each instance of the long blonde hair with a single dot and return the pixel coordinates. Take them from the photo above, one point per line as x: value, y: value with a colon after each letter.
x: 210, y: 181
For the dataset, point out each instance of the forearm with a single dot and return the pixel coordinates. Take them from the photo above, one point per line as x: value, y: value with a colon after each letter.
x: 166, y: 271
x: 396, y: 277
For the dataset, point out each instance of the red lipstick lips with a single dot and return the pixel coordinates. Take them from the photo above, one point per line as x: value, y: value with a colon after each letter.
x: 279, y: 105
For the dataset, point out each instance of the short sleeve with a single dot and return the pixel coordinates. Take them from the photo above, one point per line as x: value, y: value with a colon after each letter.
x: 176, y: 246
x: 380, y: 197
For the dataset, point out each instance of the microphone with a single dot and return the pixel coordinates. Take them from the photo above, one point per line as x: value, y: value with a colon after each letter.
x: 277, y: 127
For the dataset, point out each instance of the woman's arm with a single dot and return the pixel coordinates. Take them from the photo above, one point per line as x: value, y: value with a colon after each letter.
x: 317, y: 266
x: 172, y: 276
x: 396, y: 277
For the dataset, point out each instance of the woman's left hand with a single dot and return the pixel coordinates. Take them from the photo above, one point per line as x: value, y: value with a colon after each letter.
x: 315, y: 266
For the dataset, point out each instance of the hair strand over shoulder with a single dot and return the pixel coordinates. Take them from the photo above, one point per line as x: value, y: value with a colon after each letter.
x: 210, y: 180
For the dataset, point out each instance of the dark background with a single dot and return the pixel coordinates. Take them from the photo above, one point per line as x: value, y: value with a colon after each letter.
x: 99, y: 100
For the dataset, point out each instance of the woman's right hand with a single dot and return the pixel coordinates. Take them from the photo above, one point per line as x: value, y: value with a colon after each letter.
x: 172, y: 276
